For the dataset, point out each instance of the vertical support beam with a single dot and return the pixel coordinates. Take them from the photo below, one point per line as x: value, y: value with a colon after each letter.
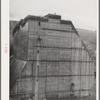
x: 70, y: 69
x: 46, y: 77
x: 80, y: 56
x: 37, y: 69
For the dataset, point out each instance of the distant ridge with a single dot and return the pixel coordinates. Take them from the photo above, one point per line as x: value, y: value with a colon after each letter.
x: 87, y: 35
x: 89, y: 38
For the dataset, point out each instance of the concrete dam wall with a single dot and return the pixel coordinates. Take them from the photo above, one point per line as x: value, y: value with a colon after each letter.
x: 50, y: 60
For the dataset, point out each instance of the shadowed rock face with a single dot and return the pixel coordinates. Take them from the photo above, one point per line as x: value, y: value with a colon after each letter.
x: 89, y: 38
x: 12, y: 25
x: 16, y: 67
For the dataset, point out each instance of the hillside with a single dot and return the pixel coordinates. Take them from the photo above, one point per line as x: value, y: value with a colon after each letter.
x: 87, y: 35
x: 89, y: 38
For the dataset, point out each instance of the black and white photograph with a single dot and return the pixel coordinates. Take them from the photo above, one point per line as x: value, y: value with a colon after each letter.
x: 53, y: 49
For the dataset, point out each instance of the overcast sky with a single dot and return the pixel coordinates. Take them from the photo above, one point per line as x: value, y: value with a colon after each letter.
x: 83, y: 13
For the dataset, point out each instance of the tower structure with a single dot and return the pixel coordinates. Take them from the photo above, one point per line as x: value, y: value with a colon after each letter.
x: 50, y: 60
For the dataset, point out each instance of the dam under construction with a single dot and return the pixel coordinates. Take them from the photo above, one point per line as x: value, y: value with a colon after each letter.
x: 49, y: 60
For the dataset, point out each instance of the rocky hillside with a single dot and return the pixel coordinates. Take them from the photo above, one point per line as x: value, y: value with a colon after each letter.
x: 87, y: 35
x: 89, y: 38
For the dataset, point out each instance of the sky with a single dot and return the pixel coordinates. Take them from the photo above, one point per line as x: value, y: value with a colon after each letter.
x: 83, y: 13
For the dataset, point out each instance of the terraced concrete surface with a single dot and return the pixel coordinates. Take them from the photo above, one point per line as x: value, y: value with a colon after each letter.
x: 74, y: 98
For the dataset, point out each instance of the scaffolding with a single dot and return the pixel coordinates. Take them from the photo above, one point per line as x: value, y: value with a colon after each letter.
x: 57, y: 62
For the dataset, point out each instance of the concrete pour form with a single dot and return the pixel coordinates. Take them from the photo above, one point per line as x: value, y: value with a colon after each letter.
x: 65, y: 66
